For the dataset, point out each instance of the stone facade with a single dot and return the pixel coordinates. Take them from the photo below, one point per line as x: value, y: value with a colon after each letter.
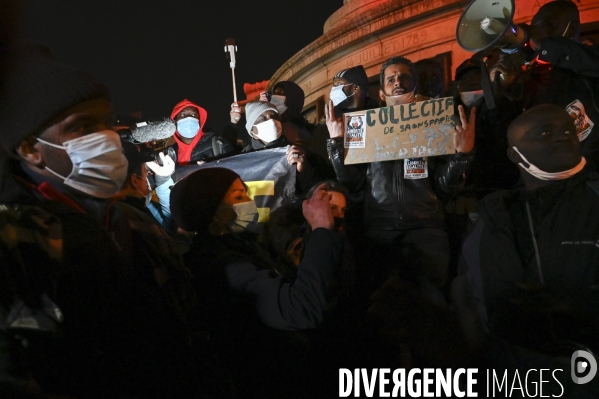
x: 368, y: 32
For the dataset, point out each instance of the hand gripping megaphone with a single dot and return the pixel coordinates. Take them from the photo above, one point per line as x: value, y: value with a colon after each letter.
x: 489, y: 23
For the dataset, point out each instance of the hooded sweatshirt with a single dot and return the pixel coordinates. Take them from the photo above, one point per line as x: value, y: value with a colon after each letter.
x: 295, y: 129
x: 295, y: 98
x: 185, y: 150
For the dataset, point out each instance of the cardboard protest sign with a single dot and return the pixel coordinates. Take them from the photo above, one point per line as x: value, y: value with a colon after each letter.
x: 416, y: 130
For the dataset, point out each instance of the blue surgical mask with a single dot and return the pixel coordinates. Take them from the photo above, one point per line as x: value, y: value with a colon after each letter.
x: 188, y: 127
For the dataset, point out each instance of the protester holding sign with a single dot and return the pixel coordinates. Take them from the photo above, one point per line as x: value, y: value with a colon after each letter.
x: 349, y: 93
x: 403, y: 214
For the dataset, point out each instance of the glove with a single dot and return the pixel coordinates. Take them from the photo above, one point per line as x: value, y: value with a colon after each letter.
x: 167, y: 168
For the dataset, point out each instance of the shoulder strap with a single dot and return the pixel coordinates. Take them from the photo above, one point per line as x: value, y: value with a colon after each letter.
x: 594, y: 184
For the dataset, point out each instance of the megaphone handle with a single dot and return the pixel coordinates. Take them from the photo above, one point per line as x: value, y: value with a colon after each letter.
x: 486, y: 86
x: 234, y: 87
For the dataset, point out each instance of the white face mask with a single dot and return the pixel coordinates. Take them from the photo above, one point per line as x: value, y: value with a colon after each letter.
x: 337, y: 95
x: 99, y: 166
x: 471, y: 97
x: 279, y: 102
x: 246, y: 218
x: 269, y: 130
x: 405, y: 98
x: 542, y: 175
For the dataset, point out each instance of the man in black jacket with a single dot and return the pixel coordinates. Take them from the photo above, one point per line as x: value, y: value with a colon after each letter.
x: 530, y: 268
x: 403, y: 214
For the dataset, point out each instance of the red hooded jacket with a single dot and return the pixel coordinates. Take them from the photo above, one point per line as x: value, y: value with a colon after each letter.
x: 184, y: 150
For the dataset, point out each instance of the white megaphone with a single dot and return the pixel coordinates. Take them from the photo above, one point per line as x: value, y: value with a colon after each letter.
x: 488, y: 23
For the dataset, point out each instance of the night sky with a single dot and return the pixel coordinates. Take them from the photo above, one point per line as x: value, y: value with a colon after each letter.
x: 152, y: 54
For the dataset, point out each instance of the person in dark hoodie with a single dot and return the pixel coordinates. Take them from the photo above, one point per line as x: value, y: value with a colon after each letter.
x: 289, y: 98
x: 193, y: 144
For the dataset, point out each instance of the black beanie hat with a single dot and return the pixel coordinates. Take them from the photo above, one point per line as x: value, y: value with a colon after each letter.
x: 466, y: 66
x: 195, y: 199
x: 36, y: 90
x: 135, y: 157
x: 356, y: 75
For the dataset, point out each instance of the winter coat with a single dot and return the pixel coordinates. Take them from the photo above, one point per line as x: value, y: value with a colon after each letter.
x: 99, y: 300
x: 517, y: 298
x: 253, y: 316
x: 393, y: 202
x: 568, y: 76
x: 201, y: 147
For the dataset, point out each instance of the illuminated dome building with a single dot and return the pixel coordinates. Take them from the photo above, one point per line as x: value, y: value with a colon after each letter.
x: 368, y: 32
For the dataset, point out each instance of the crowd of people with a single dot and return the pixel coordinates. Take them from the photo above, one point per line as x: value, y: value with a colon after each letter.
x: 118, y: 281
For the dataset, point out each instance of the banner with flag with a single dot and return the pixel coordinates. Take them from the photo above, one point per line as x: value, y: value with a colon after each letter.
x: 268, y: 175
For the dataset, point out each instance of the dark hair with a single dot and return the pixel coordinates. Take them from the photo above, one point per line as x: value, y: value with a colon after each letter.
x: 331, y: 185
x: 565, y: 7
x: 137, y: 170
x: 398, y: 60
x: 428, y: 61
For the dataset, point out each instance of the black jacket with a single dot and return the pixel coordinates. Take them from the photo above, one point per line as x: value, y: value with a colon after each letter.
x: 500, y: 263
x: 237, y: 267
x: 210, y: 148
x: 115, y: 279
x: 393, y: 202
x: 572, y: 74
x: 253, y: 315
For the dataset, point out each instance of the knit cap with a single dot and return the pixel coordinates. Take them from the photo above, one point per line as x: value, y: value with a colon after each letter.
x: 38, y: 89
x: 196, y: 198
x: 254, y: 109
x: 356, y: 75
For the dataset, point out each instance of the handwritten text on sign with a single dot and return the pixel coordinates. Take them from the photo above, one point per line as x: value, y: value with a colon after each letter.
x: 420, y: 129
